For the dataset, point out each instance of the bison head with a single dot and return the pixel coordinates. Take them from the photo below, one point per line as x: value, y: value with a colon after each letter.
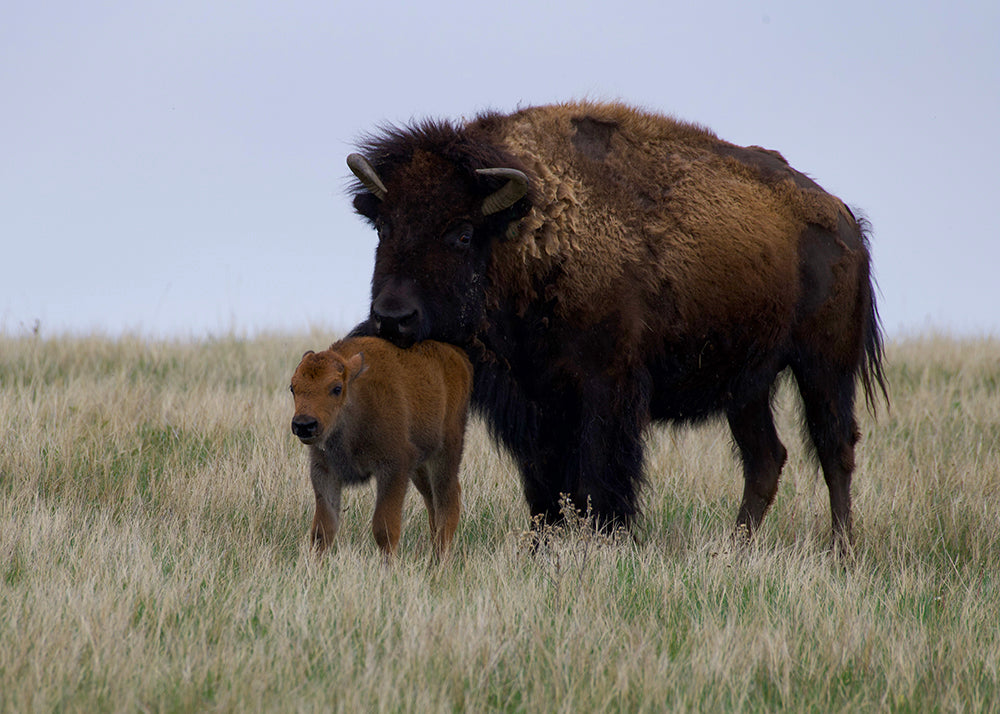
x: 319, y: 387
x: 437, y: 219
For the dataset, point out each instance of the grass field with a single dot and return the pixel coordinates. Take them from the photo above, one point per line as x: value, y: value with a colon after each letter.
x: 153, y: 556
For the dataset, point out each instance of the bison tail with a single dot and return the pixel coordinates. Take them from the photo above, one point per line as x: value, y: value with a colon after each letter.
x: 873, y: 378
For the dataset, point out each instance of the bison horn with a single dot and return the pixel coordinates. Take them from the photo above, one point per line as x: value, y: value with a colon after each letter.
x: 362, y: 168
x: 508, y: 194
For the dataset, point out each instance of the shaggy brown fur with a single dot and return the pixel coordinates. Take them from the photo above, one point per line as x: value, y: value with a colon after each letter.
x: 368, y: 408
x: 664, y: 205
x: 651, y: 272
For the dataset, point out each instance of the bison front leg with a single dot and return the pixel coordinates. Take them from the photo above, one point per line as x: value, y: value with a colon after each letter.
x: 544, y: 478
x: 607, y: 463
x: 593, y: 453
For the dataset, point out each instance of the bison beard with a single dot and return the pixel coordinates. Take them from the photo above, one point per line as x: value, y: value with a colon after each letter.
x: 605, y: 268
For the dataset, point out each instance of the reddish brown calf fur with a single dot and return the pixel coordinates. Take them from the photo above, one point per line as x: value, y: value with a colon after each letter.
x: 366, y: 408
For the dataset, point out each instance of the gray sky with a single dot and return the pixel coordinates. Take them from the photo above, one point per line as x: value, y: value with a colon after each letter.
x: 178, y: 168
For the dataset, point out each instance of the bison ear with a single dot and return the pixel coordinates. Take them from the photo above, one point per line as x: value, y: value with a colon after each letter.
x: 356, y: 366
x: 307, y: 353
x: 367, y: 205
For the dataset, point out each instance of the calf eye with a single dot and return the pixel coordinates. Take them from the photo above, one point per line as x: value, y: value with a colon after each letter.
x: 291, y: 389
x: 336, y: 390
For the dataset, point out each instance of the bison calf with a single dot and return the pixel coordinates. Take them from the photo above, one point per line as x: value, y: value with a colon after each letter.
x: 367, y: 408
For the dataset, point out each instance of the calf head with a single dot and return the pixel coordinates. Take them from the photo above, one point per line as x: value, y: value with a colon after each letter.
x: 320, y: 388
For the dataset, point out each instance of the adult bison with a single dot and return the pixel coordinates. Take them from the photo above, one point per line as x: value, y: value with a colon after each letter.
x: 606, y: 267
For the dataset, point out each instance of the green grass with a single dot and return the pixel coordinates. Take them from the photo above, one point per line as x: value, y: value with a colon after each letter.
x: 154, y: 511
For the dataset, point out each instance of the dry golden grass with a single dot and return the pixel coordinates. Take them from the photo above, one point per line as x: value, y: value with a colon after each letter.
x: 153, y: 556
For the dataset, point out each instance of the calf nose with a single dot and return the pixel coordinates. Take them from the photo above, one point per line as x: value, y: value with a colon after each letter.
x: 305, y: 427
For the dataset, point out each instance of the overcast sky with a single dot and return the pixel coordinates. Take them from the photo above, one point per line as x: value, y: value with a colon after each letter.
x: 177, y: 169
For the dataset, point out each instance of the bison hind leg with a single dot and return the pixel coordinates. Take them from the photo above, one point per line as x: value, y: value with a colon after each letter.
x: 828, y: 401
x: 763, y: 456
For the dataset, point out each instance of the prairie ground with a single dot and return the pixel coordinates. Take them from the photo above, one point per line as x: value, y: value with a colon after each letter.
x: 154, y: 510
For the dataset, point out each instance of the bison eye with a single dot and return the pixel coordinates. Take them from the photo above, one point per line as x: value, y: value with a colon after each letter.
x: 461, y: 235
x: 336, y: 389
x: 291, y: 389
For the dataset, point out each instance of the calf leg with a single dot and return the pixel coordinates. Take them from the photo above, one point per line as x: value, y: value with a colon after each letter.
x: 763, y: 456
x: 387, y: 522
x: 326, y: 521
x: 327, y: 488
x: 447, y: 499
x: 422, y: 481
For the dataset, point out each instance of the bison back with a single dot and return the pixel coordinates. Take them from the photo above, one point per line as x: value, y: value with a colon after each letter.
x: 656, y: 212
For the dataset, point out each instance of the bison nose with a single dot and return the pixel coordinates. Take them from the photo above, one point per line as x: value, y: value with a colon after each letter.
x: 397, y: 324
x: 397, y: 314
x: 305, y: 427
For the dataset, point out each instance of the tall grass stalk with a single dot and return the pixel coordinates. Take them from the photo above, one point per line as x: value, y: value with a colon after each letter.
x: 153, y: 556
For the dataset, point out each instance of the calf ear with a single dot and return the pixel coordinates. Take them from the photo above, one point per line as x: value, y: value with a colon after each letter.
x: 356, y: 366
x: 307, y: 353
